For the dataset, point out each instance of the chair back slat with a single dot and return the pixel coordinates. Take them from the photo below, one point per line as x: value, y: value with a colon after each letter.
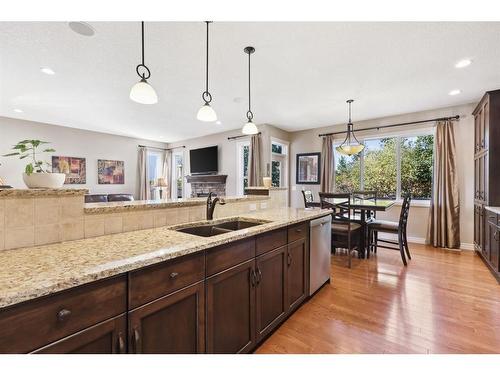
x: 308, y: 197
x: 405, y: 210
x: 342, y: 209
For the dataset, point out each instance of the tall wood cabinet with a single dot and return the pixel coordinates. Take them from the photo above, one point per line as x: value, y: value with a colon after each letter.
x: 486, y: 178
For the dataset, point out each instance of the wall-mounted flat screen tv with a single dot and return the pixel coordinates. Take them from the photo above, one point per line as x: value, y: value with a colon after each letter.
x: 204, y: 160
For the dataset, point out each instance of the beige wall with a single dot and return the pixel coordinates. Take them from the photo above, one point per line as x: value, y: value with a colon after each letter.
x: 228, y: 162
x: 308, y: 141
x: 71, y: 142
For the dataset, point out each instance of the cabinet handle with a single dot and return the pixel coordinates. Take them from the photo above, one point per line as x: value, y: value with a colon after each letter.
x: 136, y: 339
x: 253, y: 277
x: 173, y: 275
x: 121, y: 343
x: 259, y: 279
x: 63, y: 314
x: 289, y: 259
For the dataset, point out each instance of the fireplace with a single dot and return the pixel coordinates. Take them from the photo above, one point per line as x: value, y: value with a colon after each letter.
x: 204, y: 184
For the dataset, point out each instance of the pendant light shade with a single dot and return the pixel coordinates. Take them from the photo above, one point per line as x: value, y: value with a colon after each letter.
x: 249, y: 128
x: 142, y: 92
x: 351, y: 145
x: 206, y: 113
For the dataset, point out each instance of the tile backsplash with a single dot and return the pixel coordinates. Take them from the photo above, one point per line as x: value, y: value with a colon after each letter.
x: 30, y: 221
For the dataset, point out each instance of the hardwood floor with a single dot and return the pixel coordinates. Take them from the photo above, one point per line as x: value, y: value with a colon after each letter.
x: 443, y: 302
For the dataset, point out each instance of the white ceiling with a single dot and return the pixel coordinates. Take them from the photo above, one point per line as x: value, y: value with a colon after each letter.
x: 302, y: 73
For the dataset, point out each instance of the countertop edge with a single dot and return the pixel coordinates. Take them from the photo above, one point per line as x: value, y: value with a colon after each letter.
x: 156, y: 256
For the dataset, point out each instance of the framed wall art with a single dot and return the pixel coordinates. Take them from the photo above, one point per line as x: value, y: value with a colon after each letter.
x: 308, y: 168
x: 110, y: 172
x: 74, y: 168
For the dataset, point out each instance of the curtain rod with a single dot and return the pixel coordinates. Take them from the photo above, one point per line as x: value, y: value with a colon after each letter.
x: 452, y: 118
x: 242, y: 136
x: 164, y: 149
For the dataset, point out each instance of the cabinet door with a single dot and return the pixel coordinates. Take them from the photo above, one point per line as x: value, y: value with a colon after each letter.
x: 298, y: 272
x: 477, y: 134
x: 271, y: 291
x: 484, y: 250
x: 481, y: 179
x: 485, y: 125
x: 476, y: 227
x: 173, y: 324
x: 485, y: 176
x: 231, y: 309
x: 104, y: 338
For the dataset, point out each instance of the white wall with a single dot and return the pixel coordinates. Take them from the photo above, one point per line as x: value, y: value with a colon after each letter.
x: 308, y: 141
x: 71, y: 142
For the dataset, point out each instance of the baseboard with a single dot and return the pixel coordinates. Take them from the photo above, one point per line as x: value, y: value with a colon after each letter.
x: 422, y: 241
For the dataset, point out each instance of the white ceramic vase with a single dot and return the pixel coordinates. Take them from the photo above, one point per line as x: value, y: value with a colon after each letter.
x: 267, y: 182
x: 44, y: 180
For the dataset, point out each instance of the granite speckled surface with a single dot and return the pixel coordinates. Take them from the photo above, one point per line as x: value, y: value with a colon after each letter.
x: 32, y: 272
x: 493, y: 209
x: 265, y: 188
x: 34, y: 193
x: 115, y: 207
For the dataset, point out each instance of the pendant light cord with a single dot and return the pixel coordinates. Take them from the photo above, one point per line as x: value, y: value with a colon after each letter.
x: 249, y: 113
x: 207, y: 97
x: 146, y: 72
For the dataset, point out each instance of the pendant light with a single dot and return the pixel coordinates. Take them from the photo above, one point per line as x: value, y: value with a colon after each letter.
x: 249, y: 128
x: 351, y: 145
x: 206, y: 113
x: 142, y: 92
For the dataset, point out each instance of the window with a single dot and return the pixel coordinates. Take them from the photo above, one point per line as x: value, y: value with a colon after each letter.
x: 279, y: 162
x: 347, y: 172
x: 243, y: 152
x: 154, y: 169
x: 390, y: 165
x: 416, y: 165
x: 380, y: 167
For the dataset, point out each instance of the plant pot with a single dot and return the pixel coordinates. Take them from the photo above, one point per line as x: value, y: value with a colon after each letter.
x: 44, y: 180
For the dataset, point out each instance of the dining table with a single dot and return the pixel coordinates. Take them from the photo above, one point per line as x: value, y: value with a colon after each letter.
x: 363, y: 206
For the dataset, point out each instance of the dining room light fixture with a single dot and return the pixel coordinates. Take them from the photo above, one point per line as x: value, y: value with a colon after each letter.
x: 206, y: 113
x: 249, y: 128
x: 142, y: 92
x: 351, y: 145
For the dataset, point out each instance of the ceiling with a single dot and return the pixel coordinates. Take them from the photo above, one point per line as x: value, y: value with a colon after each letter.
x: 302, y: 73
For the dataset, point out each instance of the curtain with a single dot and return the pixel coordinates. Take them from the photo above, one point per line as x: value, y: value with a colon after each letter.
x: 327, y: 165
x: 444, y: 220
x: 254, y: 162
x: 167, y: 172
x: 144, y: 192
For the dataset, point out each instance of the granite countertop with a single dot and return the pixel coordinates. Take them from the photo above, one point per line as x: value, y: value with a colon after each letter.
x: 113, y: 207
x: 493, y: 209
x: 32, y: 193
x: 32, y: 272
x: 265, y: 188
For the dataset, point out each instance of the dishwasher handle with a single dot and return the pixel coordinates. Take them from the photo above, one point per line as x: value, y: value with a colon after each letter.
x: 321, y: 221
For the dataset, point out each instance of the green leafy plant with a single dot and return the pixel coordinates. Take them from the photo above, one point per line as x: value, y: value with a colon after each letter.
x: 29, y: 148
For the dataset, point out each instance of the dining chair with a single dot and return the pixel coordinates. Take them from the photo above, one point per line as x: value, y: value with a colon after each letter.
x: 368, y: 195
x: 346, y: 234
x: 309, y: 199
x: 400, y: 228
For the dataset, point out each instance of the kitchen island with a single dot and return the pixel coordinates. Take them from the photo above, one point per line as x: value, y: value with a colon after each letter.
x: 157, y: 290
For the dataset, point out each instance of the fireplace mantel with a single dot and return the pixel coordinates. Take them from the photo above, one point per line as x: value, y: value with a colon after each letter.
x: 201, y: 185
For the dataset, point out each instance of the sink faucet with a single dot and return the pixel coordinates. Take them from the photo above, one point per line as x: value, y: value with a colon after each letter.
x: 211, y: 205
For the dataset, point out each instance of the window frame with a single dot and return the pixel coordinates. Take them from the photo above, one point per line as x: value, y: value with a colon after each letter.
x: 282, y: 158
x: 173, y: 190
x: 399, y: 135
x: 240, y: 175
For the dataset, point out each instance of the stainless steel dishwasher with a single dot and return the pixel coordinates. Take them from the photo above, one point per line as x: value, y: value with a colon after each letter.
x: 320, y: 252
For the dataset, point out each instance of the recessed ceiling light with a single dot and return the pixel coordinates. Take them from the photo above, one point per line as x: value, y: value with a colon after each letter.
x: 82, y: 28
x: 18, y: 110
x: 47, y: 70
x: 463, y: 63
x: 218, y: 122
x: 454, y: 92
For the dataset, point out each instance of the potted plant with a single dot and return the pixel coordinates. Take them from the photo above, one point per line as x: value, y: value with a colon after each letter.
x: 35, y: 176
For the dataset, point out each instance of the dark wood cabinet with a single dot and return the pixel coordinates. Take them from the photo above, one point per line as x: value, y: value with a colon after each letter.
x: 225, y: 299
x: 486, y: 178
x: 298, y: 272
x: 492, y: 242
x: 231, y: 309
x: 108, y: 337
x: 271, y: 290
x: 173, y: 324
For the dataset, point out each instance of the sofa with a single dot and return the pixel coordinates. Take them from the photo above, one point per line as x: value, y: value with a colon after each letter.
x: 96, y: 198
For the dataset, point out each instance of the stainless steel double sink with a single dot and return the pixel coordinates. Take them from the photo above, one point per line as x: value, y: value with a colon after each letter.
x: 210, y: 229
